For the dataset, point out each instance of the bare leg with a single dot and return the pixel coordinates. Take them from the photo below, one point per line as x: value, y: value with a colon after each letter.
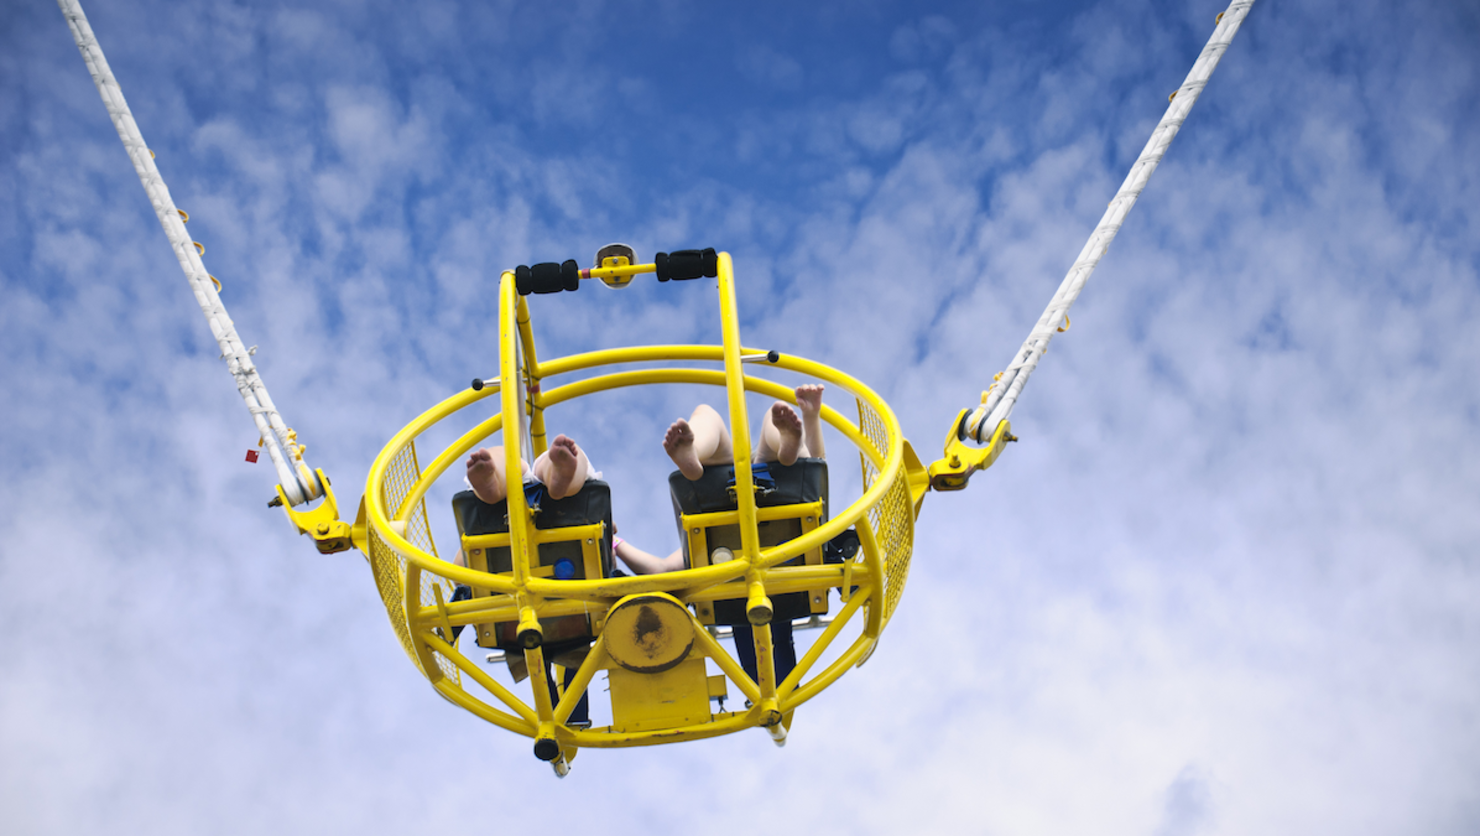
x: 486, y: 474
x: 645, y: 563
x: 781, y: 435
x: 702, y: 440
x: 809, y: 401
x: 563, y: 468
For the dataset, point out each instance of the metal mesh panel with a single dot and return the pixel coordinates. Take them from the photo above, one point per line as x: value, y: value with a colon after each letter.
x: 405, y: 470
x: 390, y: 568
x: 894, y: 526
x: 390, y: 574
x: 400, y: 477
x: 429, y: 599
x: 874, y: 430
x: 891, y: 518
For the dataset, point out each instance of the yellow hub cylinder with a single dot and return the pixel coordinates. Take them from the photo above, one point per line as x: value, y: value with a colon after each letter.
x: 648, y: 633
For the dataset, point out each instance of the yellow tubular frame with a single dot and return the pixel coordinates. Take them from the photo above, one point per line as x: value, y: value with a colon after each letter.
x: 878, y: 569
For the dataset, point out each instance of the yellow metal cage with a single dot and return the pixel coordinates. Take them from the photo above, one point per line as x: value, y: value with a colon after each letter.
x: 652, y: 707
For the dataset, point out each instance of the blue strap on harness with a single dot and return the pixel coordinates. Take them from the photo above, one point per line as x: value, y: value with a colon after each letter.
x: 760, y: 474
x: 533, y: 493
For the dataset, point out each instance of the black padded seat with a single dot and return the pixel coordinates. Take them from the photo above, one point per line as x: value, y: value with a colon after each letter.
x: 803, y: 482
x: 590, y: 505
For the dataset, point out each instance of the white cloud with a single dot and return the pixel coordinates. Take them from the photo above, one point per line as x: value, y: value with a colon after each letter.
x: 930, y: 37
x: 766, y: 66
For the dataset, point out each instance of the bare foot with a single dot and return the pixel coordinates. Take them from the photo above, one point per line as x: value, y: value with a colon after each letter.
x: 563, y: 461
x: 678, y: 443
x: 484, y: 476
x: 809, y: 401
x: 790, y: 427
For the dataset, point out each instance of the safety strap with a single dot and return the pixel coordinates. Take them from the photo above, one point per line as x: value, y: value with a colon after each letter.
x: 299, y: 483
x: 998, y: 401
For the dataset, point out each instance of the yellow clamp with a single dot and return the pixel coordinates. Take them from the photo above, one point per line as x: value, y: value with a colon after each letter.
x: 953, y: 471
x: 617, y: 271
x: 609, y: 272
x: 329, y: 533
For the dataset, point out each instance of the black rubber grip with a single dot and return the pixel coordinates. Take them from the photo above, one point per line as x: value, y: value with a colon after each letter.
x: 546, y: 749
x: 682, y: 265
x: 547, y: 277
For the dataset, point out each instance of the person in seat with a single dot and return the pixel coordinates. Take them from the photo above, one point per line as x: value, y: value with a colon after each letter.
x: 704, y: 440
x: 563, y: 470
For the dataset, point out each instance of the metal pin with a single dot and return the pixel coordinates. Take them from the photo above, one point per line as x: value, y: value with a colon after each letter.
x: 769, y: 357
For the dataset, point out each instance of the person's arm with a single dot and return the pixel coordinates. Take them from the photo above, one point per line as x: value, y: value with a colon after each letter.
x: 644, y: 563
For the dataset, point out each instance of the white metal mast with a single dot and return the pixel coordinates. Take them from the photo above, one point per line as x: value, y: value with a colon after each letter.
x: 298, y: 482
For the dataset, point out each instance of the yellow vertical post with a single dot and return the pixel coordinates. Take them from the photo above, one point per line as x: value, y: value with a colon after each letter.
x: 511, y: 408
x: 739, y: 423
x: 513, y: 426
x: 744, y: 479
x: 532, y: 365
x: 545, y: 747
x: 765, y: 668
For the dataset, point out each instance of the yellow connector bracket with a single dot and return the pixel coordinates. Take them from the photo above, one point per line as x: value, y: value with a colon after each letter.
x: 329, y: 533
x: 952, y: 472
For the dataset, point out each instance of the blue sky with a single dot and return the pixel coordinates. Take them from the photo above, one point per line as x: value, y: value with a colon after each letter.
x: 1227, y: 582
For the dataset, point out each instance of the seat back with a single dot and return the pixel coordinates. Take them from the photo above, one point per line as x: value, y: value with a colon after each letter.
x: 574, y: 537
x: 791, y: 500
